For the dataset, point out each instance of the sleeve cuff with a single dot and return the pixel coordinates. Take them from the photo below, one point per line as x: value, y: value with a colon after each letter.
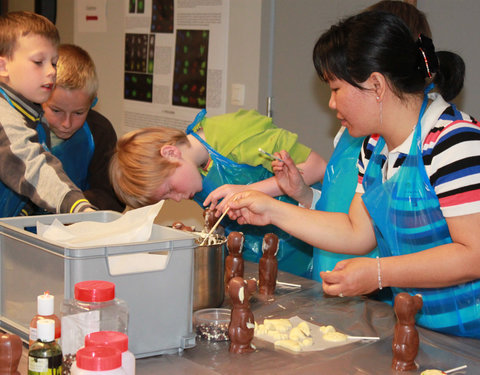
x: 315, y: 198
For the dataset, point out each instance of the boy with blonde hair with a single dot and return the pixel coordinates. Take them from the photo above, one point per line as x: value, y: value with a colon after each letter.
x: 81, y: 138
x: 28, y: 58
x: 217, y: 157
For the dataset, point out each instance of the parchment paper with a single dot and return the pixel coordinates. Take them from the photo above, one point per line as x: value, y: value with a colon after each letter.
x: 134, y: 226
x: 318, y: 342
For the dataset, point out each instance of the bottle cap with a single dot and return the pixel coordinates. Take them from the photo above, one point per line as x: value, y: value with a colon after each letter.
x: 94, y: 291
x: 99, y: 358
x: 45, y: 304
x: 46, y: 330
x: 114, y: 339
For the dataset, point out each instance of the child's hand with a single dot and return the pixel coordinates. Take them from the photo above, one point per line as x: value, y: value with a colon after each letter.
x: 290, y: 179
x: 218, y: 198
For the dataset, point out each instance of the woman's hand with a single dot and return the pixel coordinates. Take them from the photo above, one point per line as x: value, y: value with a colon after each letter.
x: 351, y: 277
x: 251, y: 207
x: 218, y: 198
x: 290, y: 179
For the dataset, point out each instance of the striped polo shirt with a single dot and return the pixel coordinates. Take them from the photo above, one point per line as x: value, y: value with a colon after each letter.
x: 451, y: 154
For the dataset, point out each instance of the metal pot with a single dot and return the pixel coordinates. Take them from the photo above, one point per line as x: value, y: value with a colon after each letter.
x: 208, y: 285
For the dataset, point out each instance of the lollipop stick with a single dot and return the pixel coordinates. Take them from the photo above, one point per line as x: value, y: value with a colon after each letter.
x: 455, y: 369
x: 364, y: 337
x: 275, y: 157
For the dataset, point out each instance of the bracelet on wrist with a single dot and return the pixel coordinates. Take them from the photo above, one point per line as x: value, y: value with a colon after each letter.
x: 379, y: 274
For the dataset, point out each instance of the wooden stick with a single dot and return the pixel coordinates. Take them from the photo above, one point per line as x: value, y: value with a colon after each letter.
x: 275, y: 157
x: 455, y: 369
x: 215, y: 226
x: 364, y: 337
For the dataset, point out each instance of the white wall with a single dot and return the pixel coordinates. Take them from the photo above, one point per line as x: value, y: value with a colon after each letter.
x: 453, y: 22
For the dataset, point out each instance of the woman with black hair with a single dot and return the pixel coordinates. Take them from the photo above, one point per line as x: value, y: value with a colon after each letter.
x: 418, y: 193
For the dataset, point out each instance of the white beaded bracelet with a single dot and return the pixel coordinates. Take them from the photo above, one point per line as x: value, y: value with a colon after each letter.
x: 379, y: 272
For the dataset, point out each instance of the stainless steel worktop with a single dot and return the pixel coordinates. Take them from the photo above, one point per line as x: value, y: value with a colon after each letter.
x: 356, y: 316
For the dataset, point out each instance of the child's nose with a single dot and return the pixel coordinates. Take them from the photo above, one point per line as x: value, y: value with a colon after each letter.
x: 51, y: 71
x: 67, y: 121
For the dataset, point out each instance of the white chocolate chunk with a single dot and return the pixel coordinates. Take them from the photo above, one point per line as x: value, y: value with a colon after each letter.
x: 277, y: 335
x: 327, y: 329
x: 307, y: 342
x: 303, y: 326
x: 335, y: 336
x: 241, y: 294
x: 281, y: 325
x: 296, y: 334
x: 289, y: 344
x: 261, y: 330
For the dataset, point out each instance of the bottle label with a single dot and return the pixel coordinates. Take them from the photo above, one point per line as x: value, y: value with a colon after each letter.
x: 33, y: 334
x: 45, y: 366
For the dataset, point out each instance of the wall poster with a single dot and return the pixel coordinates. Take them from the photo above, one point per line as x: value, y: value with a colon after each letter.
x: 175, y: 61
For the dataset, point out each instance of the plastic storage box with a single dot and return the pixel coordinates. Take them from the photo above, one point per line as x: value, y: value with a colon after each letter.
x: 154, y: 277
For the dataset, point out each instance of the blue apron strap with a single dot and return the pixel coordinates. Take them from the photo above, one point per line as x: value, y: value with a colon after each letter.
x: 199, y: 117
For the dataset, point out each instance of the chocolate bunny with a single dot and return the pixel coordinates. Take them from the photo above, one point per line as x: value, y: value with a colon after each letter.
x: 210, y: 219
x: 10, y: 353
x: 234, y: 264
x: 268, y: 265
x: 405, y: 340
x: 242, y: 323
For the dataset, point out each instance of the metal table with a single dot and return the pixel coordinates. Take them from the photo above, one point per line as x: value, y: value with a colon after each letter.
x: 358, y: 316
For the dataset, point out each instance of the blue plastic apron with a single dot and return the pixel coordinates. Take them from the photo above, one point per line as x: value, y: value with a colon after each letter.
x: 76, y: 154
x: 338, y: 189
x: 11, y: 202
x: 408, y: 219
x: 293, y: 256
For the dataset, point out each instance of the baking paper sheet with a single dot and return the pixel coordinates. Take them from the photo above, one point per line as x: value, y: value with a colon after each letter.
x: 318, y: 342
x: 133, y: 226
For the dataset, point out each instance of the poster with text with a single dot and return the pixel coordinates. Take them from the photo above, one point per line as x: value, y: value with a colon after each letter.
x: 175, y: 61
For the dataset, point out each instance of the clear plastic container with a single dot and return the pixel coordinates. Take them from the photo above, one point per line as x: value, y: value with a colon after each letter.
x: 212, y: 324
x: 94, y: 308
x: 116, y: 340
x: 98, y: 360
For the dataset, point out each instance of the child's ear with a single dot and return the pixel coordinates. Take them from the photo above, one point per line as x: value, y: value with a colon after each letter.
x: 170, y: 151
x: 3, y: 67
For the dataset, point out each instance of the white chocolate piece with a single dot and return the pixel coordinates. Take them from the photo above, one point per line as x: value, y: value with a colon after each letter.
x: 277, y: 335
x: 260, y: 329
x: 307, y: 342
x: 432, y: 372
x: 281, y: 325
x: 289, y: 344
x: 303, y: 326
x: 327, y: 329
x: 296, y: 334
x: 241, y: 294
x: 335, y: 336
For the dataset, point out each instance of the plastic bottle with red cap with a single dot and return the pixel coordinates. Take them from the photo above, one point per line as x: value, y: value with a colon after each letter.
x: 98, y: 360
x: 45, y: 310
x: 116, y: 340
x: 94, y: 308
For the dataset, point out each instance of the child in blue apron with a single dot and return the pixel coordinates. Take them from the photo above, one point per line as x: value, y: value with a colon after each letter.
x: 164, y: 163
x: 418, y: 196
x: 81, y: 138
x: 27, y: 170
